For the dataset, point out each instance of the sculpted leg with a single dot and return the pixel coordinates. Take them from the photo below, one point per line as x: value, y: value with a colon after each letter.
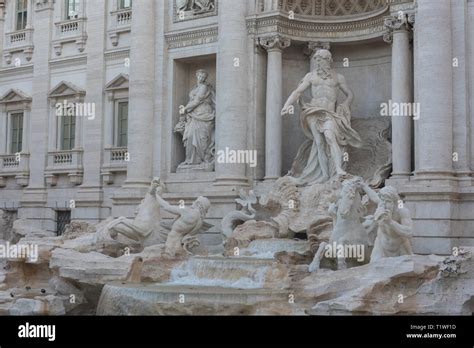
x: 173, y: 243
x: 336, y: 152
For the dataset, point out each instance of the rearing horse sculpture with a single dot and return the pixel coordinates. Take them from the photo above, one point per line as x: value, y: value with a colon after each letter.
x: 349, y: 242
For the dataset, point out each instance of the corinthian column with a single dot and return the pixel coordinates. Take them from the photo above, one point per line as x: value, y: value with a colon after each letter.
x: 434, y: 76
x: 402, y: 93
x: 142, y: 81
x: 232, y: 89
x: 274, y: 122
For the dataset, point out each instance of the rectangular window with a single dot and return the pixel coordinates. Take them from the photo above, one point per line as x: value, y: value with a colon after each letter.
x: 63, y: 218
x: 68, y: 129
x: 124, y: 4
x: 16, y: 132
x: 72, y: 9
x: 21, y: 14
x: 122, y: 124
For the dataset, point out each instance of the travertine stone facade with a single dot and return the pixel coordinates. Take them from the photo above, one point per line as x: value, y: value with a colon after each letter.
x: 105, y: 54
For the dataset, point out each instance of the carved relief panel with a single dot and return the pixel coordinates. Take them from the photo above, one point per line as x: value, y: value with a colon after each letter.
x: 193, y: 9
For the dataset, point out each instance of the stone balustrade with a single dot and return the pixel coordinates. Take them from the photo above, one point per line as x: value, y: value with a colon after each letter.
x: 70, y: 30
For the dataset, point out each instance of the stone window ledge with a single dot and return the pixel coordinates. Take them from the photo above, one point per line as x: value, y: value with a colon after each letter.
x: 11, y: 167
x: 121, y: 23
x: 115, y: 161
x: 73, y: 30
x: 65, y: 163
x: 19, y: 41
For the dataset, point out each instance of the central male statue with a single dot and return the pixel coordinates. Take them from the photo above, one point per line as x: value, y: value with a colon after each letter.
x: 326, y: 125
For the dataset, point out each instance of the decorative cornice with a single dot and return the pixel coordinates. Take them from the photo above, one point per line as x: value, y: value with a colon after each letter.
x: 117, y: 55
x: 68, y: 62
x: 16, y: 71
x: 192, y: 37
x: 325, y: 31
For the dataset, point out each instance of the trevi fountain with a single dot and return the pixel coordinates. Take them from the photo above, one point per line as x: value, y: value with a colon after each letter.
x: 237, y: 157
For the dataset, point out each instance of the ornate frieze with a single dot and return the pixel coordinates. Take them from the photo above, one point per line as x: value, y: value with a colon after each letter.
x: 192, y: 38
x: 193, y: 9
x: 305, y: 30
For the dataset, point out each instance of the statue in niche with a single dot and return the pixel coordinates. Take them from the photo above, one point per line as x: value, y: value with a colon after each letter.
x: 197, y: 126
x: 326, y: 124
x: 392, y: 223
x: 195, y: 6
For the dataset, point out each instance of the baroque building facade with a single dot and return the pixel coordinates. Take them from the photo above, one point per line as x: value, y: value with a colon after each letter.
x: 120, y: 73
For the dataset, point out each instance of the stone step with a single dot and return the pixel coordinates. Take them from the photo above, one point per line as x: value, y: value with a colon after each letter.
x: 165, y: 299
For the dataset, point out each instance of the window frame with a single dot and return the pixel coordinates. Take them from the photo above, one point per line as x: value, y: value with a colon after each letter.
x: 121, y: 4
x: 117, y: 120
x: 76, y: 10
x: 21, y: 13
x: 20, y: 140
x: 72, y: 132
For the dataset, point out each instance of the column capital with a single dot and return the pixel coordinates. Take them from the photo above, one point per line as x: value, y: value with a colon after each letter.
x: 312, y: 47
x: 403, y: 22
x: 274, y: 42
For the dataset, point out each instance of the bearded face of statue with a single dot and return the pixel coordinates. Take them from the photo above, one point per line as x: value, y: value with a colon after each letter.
x: 323, y: 62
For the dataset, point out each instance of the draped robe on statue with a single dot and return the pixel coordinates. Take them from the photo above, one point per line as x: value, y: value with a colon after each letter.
x: 199, y: 137
x: 313, y: 165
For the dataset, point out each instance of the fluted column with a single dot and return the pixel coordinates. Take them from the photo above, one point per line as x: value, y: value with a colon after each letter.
x: 434, y: 77
x: 402, y: 93
x: 142, y: 82
x: 274, y: 123
x: 232, y: 89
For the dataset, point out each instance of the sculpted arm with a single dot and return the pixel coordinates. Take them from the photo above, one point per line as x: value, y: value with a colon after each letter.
x: 168, y: 207
x: 303, y: 86
x: 347, y: 91
x: 373, y: 196
x: 405, y: 228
